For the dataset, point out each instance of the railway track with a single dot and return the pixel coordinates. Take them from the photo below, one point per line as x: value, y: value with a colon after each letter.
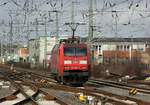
x: 91, y: 92
x: 20, y: 89
x: 55, y: 90
x: 141, y: 96
x: 19, y: 83
x: 119, y: 85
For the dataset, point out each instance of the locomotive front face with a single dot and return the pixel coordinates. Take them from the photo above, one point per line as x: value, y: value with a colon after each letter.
x: 76, y: 62
x: 72, y: 63
x: 75, y: 58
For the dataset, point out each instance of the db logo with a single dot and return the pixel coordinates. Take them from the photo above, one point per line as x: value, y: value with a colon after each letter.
x: 75, y: 61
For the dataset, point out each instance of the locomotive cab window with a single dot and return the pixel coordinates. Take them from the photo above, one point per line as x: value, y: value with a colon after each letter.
x: 81, y: 51
x: 69, y: 51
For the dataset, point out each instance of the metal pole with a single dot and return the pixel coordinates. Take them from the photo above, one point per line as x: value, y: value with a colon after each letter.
x: 36, y: 27
x: 90, y: 36
x: 7, y: 46
x: 116, y: 25
x: 11, y: 36
x: 36, y: 41
x: 61, y: 4
x: 90, y: 33
x: 1, y: 48
x: 28, y: 34
x: 72, y: 12
x: 45, y: 46
x: 73, y: 33
x: 3, y: 45
x: 131, y: 47
x: 57, y: 26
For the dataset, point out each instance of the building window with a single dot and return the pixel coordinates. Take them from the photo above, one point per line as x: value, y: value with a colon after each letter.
x: 147, y: 45
x: 121, y: 47
x: 140, y: 49
x: 99, y: 47
x: 128, y: 47
x: 95, y: 47
x: 125, y: 47
x: 117, y: 47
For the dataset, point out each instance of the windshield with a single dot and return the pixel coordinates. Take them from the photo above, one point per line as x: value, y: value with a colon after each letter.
x: 70, y: 51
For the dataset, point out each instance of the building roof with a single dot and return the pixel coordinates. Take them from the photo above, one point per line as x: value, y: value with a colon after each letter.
x: 121, y: 40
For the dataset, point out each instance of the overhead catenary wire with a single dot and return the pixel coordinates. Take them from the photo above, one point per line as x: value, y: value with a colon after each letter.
x: 2, y: 4
x: 107, y: 10
x: 16, y: 3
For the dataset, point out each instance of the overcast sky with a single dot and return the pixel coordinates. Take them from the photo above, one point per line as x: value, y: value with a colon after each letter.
x: 132, y: 17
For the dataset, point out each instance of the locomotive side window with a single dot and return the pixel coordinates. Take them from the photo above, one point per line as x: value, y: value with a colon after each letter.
x: 70, y: 51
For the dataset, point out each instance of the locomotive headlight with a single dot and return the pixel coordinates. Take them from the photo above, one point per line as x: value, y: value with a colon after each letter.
x: 83, y: 62
x: 67, y: 62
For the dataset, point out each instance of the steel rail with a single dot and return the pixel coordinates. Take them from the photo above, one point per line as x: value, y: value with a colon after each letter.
x: 59, y: 99
x: 87, y: 91
x: 92, y: 92
x: 10, y: 96
x: 54, y: 97
x: 120, y: 85
x: 69, y: 89
x: 100, y: 83
x: 20, y: 89
x: 18, y: 76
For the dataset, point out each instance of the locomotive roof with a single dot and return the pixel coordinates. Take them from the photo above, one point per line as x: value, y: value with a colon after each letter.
x: 74, y: 44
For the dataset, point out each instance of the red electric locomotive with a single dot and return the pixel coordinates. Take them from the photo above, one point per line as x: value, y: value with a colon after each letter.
x: 70, y: 62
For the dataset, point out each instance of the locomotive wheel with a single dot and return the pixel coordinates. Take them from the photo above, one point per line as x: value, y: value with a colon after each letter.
x: 62, y: 80
x: 58, y: 79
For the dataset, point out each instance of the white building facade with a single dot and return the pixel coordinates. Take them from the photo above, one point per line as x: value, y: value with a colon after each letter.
x: 121, y: 44
x: 40, y: 49
x: 118, y: 44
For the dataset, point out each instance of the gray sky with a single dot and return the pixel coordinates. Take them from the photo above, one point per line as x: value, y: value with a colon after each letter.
x: 132, y: 17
